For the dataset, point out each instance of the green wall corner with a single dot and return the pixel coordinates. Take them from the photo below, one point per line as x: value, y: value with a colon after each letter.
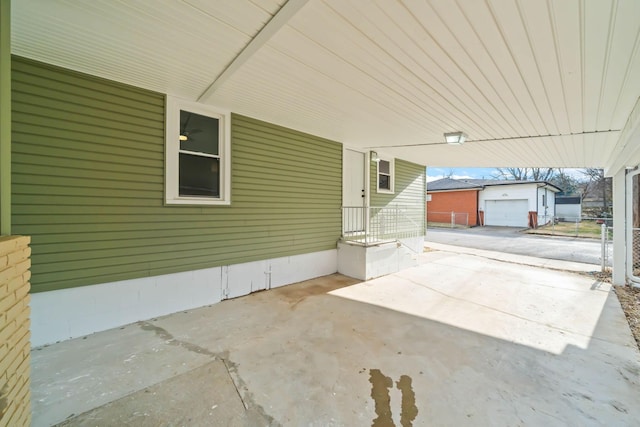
x: 5, y: 117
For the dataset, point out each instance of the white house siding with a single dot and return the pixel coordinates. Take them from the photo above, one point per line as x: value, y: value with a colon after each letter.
x: 545, y: 213
x: 569, y: 212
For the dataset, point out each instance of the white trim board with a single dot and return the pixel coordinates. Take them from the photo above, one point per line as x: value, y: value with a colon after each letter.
x: 71, y: 313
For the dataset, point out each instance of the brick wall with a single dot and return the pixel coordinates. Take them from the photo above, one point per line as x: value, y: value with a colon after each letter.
x: 15, y: 396
x: 442, y: 203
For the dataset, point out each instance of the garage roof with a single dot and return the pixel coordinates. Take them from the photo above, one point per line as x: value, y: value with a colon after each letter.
x: 532, y: 83
x: 447, y: 184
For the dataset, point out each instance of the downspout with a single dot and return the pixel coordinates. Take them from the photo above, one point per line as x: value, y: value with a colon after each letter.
x: 546, y: 201
x: 546, y: 196
x: 5, y: 117
x: 479, y: 221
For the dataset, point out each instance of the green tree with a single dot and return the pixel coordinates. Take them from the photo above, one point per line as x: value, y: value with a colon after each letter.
x: 565, y: 182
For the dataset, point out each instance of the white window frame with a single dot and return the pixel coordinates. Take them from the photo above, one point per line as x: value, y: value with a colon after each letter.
x: 391, y: 176
x: 172, y: 147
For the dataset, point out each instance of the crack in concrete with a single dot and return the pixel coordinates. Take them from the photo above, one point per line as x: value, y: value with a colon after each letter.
x: 255, y: 413
x: 226, y: 366
x: 520, y: 262
x: 171, y: 340
x: 556, y: 328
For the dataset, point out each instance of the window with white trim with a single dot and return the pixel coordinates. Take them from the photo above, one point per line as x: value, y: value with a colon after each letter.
x: 197, y: 154
x: 385, y: 176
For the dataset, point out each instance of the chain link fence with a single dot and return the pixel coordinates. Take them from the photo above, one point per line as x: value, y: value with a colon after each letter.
x: 635, y: 253
x: 571, y: 226
x: 448, y: 219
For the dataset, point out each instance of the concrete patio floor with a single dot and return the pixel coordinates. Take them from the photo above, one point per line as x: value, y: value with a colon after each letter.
x: 462, y: 339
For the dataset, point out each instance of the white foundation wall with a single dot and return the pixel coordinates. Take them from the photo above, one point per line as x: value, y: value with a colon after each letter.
x: 71, y: 313
x: 369, y: 262
x: 508, y: 192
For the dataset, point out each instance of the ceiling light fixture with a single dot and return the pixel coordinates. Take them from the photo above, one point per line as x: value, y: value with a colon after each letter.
x: 455, y: 138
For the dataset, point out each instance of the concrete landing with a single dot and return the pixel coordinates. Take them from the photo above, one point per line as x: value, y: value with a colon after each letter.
x: 459, y: 340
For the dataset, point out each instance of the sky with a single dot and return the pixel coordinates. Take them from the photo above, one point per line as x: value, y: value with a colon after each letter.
x: 478, y: 173
x: 460, y: 173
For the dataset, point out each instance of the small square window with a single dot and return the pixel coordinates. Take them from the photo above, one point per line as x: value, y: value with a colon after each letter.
x: 385, y: 176
x: 197, y: 154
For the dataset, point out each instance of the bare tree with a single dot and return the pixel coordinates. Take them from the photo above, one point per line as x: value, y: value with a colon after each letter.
x: 597, y: 182
x: 526, y: 174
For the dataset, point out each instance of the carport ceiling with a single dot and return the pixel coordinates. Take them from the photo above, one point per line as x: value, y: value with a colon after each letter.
x: 387, y: 75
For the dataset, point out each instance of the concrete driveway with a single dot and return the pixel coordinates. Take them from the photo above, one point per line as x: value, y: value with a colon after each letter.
x: 513, y: 240
x: 459, y: 340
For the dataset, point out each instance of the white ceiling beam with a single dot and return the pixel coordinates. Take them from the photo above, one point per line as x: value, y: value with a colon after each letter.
x: 277, y: 21
x: 627, y: 150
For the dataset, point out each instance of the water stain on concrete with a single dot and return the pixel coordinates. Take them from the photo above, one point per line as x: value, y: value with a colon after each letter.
x: 409, y: 408
x: 320, y: 286
x: 380, y: 385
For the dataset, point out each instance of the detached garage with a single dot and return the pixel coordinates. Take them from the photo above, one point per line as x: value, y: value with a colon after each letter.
x: 499, y: 203
x: 517, y: 203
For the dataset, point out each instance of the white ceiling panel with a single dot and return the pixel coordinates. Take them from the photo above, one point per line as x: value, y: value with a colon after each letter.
x: 566, y: 26
x: 168, y: 46
x: 528, y: 81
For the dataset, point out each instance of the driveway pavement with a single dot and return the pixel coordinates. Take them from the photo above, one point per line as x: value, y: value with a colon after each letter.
x: 513, y: 240
x: 461, y: 340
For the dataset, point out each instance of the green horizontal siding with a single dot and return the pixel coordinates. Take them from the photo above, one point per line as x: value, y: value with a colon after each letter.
x: 88, y: 186
x: 409, y: 189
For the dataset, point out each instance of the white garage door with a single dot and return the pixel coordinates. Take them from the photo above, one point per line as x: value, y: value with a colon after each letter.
x: 512, y: 213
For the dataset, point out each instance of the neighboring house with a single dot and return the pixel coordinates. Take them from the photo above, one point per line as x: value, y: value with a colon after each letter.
x: 568, y: 208
x: 133, y: 215
x: 501, y: 203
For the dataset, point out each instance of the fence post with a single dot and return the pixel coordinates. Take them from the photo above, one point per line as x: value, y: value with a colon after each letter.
x: 395, y: 231
x: 603, y: 241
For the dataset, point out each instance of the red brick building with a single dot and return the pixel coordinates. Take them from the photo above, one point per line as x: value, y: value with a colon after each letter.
x: 445, y: 196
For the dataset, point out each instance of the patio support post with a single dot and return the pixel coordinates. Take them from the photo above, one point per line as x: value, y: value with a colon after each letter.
x: 5, y: 117
x: 619, y: 228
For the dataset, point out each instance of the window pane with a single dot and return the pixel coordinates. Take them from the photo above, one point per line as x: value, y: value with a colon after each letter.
x: 199, y: 176
x: 201, y: 133
x: 384, y: 182
x: 383, y: 167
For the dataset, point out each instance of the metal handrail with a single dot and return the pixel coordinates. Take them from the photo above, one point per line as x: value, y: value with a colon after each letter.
x: 379, y: 224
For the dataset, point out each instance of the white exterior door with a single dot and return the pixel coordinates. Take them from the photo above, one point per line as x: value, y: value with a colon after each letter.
x: 353, y: 192
x: 509, y: 213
